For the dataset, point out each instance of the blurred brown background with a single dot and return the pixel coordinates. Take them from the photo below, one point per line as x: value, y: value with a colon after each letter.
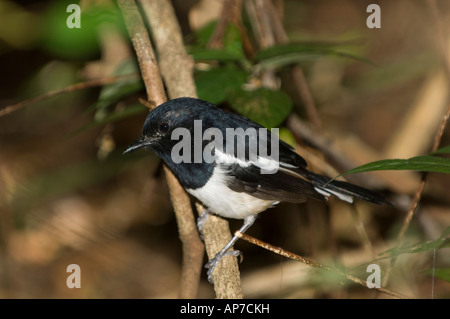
x: 68, y: 196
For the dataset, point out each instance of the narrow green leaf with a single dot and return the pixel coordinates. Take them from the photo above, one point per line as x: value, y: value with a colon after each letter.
x: 442, y: 273
x: 281, y: 55
x: 443, y: 150
x: 442, y: 242
x: 418, y: 163
x: 284, y: 49
x: 267, y: 107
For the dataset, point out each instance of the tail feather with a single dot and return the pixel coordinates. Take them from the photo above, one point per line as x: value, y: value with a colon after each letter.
x: 345, y: 191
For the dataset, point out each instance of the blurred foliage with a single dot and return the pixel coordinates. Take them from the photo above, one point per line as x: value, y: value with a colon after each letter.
x: 266, y: 107
x: 232, y: 50
x: 214, y: 85
x: 76, y: 177
x: 76, y: 43
x: 442, y: 242
x: 113, y: 93
x: 18, y: 28
x: 225, y: 82
x: 229, y: 69
x: 442, y: 273
x: 115, y: 116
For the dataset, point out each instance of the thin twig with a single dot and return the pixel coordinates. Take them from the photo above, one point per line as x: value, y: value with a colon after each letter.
x: 71, y: 88
x: 312, y: 263
x: 361, y: 229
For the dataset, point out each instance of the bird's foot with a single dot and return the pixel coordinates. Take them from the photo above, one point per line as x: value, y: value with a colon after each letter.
x: 212, y: 263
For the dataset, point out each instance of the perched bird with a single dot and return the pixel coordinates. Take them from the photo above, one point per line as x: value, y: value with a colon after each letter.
x: 221, y: 159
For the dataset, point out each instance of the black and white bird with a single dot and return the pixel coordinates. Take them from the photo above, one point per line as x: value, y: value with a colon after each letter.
x: 184, y: 131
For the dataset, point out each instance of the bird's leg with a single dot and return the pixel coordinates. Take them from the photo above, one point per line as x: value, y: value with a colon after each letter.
x: 212, y: 263
x: 201, y: 222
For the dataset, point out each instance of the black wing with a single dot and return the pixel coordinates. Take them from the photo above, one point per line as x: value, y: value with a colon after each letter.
x: 281, y: 186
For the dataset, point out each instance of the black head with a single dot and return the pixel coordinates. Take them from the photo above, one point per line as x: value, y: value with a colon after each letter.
x: 176, y: 113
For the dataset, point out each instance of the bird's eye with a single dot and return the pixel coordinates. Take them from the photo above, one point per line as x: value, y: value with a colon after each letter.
x: 163, y: 127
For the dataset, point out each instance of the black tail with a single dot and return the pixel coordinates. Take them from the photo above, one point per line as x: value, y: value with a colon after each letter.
x: 344, y: 191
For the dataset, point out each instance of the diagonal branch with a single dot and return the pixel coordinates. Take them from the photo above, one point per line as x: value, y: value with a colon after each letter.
x: 71, y: 88
x: 312, y: 263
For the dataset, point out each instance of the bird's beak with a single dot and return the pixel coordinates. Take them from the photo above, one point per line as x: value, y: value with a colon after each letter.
x: 142, y: 142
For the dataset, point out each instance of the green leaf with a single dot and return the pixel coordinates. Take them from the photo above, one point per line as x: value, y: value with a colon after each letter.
x: 442, y: 273
x: 112, y: 93
x: 282, y: 49
x: 442, y: 242
x: 267, y: 107
x: 281, y: 55
x: 418, y: 163
x: 443, y: 150
x: 213, y: 85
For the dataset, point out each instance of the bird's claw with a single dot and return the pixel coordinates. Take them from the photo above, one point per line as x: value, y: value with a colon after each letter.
x: 212, y: 263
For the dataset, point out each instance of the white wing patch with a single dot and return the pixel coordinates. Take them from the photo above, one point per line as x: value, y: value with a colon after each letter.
x: 267, y: 165
x: 228, y: 159
x: 327, y: 193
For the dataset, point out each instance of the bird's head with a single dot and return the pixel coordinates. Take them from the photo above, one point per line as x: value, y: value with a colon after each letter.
x: 159, y: 126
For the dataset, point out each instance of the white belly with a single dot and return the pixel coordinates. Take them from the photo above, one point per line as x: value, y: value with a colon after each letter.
x: 227, y: 203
